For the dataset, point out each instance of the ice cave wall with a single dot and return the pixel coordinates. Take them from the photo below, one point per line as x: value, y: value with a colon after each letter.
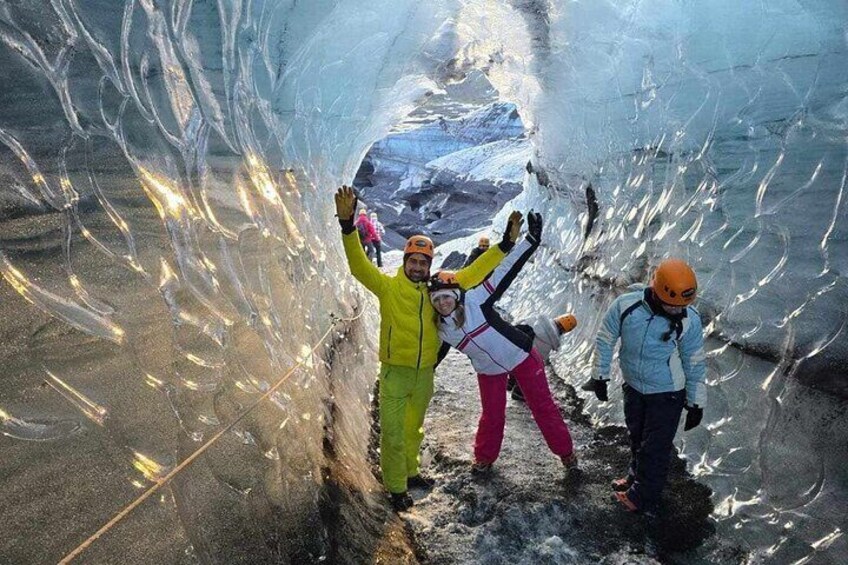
x: 716, y: 132
x: 168, y: 244
x: 169, y: 253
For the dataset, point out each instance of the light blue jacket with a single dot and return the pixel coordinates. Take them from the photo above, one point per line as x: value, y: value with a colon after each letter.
x: 648, y: 363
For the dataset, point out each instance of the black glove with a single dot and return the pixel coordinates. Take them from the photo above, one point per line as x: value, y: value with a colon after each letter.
x: 534, y: 227
x: 598, y: 387
x: 528, y: 329
x: 443, y: 352
x: 694, y: 414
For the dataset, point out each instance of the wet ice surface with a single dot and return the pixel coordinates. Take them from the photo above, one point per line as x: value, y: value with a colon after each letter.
x: 771, y: 449
x: 528, y: 510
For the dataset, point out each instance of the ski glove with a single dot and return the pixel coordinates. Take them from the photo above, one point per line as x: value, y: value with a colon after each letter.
x: 534, y: 227
x: 346, y: 202
x: 598, y: 387
x: 513, y: 227
x: 694, y: 414
x: 527, y: 329
x: 443, y: 352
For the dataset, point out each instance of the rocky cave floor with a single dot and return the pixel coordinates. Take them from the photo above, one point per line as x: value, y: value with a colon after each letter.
x: 528, y: 510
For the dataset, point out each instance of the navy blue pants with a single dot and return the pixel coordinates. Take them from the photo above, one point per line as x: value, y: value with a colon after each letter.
x: 652, y: 423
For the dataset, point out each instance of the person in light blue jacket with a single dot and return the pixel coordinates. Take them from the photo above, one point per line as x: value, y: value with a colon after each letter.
x: 663, y: 364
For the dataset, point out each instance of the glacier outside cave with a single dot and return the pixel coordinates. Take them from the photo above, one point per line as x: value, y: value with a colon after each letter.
x: 169, y: 249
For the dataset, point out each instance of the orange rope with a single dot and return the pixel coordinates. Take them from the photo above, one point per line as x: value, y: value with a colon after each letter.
x: 191, y: 458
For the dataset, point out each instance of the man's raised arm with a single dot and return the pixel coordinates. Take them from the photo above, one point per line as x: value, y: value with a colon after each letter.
x: 361, y: 267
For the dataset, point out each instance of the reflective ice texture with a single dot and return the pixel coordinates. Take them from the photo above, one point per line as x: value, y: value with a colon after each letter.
x: 169, y: 253
x: 716, y: 132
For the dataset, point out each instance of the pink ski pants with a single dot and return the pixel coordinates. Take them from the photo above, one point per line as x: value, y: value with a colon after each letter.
x: 530, y: 375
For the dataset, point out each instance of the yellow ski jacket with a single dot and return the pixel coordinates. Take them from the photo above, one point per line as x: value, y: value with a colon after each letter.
x: 408, y: 333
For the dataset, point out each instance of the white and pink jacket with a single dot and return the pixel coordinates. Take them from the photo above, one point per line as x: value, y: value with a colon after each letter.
x: 493, y: 345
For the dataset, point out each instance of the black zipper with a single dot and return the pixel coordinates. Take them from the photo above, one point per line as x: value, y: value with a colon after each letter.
x: 389, y: 346
x: 420, y: 326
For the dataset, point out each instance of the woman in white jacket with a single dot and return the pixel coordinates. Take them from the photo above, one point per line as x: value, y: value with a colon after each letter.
x: 469, y: 322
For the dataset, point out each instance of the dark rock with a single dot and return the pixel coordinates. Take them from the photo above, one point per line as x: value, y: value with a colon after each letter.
x: 453, y: 261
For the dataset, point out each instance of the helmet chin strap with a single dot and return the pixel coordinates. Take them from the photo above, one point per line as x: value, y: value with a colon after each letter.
x: 674, y: 320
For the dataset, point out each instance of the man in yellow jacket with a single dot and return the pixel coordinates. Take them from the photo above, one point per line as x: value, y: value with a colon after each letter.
x: 409, y: 341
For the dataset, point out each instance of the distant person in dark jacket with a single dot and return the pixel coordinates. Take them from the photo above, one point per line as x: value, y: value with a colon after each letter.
x: 482, y: 247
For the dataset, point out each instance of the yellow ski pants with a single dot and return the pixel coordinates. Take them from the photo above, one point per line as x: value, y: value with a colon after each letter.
x: 405, y: 393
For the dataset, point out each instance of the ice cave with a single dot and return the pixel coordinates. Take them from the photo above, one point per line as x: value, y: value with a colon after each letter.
x: 190, y: 369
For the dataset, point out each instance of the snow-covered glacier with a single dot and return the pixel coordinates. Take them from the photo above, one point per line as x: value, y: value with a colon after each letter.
x: 446, y: 178
x: 170, y: 256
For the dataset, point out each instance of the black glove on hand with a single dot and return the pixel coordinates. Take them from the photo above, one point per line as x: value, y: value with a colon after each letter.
x: 598, y: 387
x: 528, y: 329
x: 534, y: 227
x: 694, y: 414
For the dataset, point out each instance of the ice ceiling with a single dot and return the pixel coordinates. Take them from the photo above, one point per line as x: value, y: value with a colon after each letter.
x: 169, y: 251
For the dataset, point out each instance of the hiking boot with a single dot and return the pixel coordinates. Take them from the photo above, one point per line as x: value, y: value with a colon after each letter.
x: 622, y: 484
x: 570, y: 462
x: 625, y: 501
x: 481, y: 469
x: 420, y: 481
x: 400, y: 501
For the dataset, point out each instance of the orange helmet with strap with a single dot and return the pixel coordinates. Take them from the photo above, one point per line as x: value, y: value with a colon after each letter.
x: 674, y: 283
x: 419, y: 244
x: 566, y: 323
x: 443, y: 280
x: 444, y: 283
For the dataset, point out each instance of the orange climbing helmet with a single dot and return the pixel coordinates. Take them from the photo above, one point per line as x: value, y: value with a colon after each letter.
x: 442, y: 280
x: 566, y: 323
x: 418, y: 244
x: 675, y: 283
x: 444, y: 283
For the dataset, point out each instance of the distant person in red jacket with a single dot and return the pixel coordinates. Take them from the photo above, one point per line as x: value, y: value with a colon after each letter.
x: 378, y: 243
x: 367, y: 233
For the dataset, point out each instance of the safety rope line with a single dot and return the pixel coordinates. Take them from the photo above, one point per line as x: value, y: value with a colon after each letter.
x: 191, y: 458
